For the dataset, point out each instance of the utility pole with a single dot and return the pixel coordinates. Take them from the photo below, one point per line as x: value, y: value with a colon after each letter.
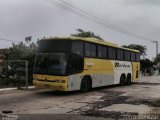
x: 156, y: 56
x: 26, y: 69
x: 156, y: 47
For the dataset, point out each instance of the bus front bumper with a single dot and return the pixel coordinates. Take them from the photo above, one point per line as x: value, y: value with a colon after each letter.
x: 50, y: 85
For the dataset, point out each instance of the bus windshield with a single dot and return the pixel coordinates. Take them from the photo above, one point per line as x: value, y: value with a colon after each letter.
x: 48, y: 46
x: 51, y: 64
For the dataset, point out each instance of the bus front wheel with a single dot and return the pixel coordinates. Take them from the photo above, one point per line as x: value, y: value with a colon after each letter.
x: 86, y: 84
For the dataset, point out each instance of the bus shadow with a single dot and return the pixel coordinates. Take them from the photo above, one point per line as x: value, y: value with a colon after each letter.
x: 147, y: 83
x: 73, y: 93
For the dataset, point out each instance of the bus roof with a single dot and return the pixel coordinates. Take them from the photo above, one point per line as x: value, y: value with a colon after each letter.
x: 90, y: 39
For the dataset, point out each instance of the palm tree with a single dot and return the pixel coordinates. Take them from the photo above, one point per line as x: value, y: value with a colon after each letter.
x: 82, y: 33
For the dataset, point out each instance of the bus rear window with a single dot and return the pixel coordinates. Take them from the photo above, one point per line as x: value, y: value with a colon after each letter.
x: 137, y: 57
x: 133, y: 57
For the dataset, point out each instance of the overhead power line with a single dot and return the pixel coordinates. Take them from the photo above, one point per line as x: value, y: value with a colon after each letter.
x: 3, y: 39
x: 114, y: 27
x: 70, y: 10
x: 75, y: 10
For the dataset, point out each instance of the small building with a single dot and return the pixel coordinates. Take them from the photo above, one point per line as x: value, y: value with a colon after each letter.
x: 3, y: 53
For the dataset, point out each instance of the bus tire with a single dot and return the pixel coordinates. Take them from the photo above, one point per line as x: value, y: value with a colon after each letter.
x: 86, y: 84
x: 128, y: 80
x: 122, y: 80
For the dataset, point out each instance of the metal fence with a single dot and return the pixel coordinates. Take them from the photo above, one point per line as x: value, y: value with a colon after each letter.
x: 14, y: 74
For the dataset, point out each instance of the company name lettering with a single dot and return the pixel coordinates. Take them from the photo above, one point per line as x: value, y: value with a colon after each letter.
x: 121, y: 65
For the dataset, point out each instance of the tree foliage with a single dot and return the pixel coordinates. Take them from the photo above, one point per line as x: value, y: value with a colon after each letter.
x: 23, y: 51
x: 141, y: 48
x: 157, y: 59
x: 146, y: 64
x: 82, y: 33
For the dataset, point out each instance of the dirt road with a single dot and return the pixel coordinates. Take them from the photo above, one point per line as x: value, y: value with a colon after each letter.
x: 113, y: 102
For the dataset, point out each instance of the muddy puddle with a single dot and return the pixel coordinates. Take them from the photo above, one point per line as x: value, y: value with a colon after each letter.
x: 113, y: 105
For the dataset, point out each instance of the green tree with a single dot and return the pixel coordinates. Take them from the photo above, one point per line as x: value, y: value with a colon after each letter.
x: 146, y: 66
x: 82, y: 33
x: 141, y: 48
x: 23, y: 51
x: 146, y: 63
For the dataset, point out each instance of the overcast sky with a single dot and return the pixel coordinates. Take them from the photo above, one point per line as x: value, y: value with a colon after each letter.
x: 38, y: 18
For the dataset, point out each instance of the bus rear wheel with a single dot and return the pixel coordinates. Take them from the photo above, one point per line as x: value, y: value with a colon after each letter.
x: 128, y: 81
x: 86, y: 84
x: 122, y: 80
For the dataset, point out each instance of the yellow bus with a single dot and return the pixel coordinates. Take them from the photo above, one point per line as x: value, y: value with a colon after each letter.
x: 74, y: 63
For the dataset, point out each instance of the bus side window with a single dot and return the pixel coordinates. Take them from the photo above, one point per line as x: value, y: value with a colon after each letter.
x: 93, y: 50
x: 104, y: 52
x: 120, y: 54
x: 100, y: 51
x: 77, y: 48
x: 87, y: 49
x: 111, y: 53
x: 127, y: 55
x: 90, y: 50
